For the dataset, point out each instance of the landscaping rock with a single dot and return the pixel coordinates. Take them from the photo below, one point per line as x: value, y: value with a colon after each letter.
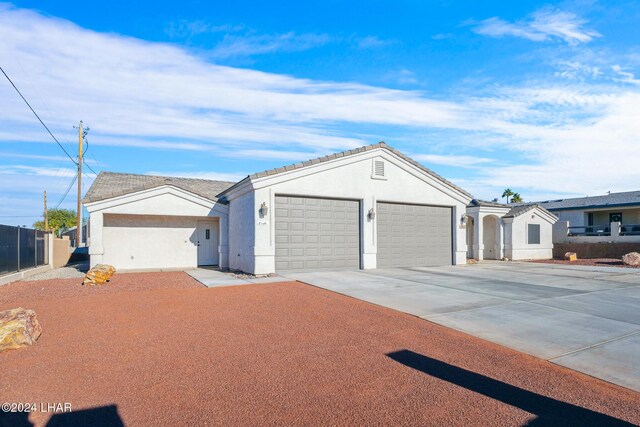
x: 571, y: 256
x: 632, y: 258
x: 471, y: 261
x: 18, y: 328
x: 99, y: 275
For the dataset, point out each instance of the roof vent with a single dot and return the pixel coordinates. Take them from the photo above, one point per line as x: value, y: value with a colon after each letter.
x: 378, y: 169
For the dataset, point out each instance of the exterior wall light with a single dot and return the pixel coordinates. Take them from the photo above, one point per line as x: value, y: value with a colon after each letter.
x: 264, y: 210
x: 371, y: 215
x: 464, y: 219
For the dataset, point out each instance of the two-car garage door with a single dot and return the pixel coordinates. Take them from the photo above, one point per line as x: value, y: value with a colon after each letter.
x: 413, y: 235
x: 321, y: 234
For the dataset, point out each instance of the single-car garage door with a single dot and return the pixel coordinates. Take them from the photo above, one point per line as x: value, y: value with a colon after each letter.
x: 413, y: 235
x: 317, y: 234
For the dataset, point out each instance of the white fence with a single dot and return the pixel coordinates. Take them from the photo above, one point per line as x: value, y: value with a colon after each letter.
x: 614, y: 232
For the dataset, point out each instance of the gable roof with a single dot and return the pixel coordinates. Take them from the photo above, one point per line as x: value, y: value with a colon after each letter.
x: 347, y: 153
x: 613, y: 199
x: 519, y: 210
x: 111, y: 184
x: 522, y: 209
x: 478, y: 202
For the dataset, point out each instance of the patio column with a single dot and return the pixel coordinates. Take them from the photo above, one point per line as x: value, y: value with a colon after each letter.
x: 499, y: 239
x: 478, y: 245
x: 96, y: 251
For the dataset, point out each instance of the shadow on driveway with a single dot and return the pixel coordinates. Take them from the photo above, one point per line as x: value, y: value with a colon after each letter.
x: 549, y: 411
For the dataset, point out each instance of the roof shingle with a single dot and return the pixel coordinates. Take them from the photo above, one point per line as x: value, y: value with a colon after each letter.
x: 613, y: 199
x: 111, y: 184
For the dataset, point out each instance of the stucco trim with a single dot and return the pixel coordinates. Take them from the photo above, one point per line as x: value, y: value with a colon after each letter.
x: 137, y: 196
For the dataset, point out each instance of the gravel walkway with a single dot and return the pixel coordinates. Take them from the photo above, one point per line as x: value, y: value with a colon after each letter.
x: 277, y: 354
x: 68, y: 272
x: 597, y: 262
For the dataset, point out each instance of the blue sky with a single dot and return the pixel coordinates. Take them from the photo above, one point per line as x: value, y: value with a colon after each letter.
x: 543, y: 98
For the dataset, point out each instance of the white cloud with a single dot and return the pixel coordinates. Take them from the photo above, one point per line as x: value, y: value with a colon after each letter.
x: 452, y: 160
x: 542, y: 25
x: 372, y: 42
x: 573, y: 137
x: 624, y: 76
x: 234, y: 45
x: 184, y: 28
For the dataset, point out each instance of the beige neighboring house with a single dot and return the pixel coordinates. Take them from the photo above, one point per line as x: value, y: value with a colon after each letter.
x: 370, y: 207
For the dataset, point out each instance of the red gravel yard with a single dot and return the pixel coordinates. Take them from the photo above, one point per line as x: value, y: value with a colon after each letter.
x: 159, y: 349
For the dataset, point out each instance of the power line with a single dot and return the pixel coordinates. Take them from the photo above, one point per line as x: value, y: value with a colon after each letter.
x: 67, y: 192
x: 90, y: 168
x: 37, y: 116
x: 85, y: 152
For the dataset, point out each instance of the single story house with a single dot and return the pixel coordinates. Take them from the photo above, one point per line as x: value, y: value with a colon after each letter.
x: 370, y: 207
x: 593, y: 215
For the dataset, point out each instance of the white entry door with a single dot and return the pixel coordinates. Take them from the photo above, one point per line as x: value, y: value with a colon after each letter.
x: 207, y: 243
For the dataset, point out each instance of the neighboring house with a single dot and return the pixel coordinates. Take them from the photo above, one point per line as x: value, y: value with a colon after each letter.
x: 513, y: 232
x: 370, y: 207
x: 596, y: 227
x: 72, y: 234
x: 593, y: 215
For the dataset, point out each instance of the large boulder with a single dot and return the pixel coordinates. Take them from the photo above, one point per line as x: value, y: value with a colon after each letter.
x: 632, y: 258
x: 18, y: 328
x: 99, y: 275
x: 571, y: 256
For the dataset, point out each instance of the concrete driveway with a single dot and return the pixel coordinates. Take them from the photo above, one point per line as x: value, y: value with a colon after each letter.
x: 584, y: 318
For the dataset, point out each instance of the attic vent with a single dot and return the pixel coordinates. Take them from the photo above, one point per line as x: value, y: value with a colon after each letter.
x: 378, y: 168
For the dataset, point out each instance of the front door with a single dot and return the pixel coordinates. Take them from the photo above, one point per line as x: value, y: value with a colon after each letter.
x: 207, y: 243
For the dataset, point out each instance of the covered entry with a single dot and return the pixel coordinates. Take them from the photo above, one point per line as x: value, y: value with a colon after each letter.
x: 316, y: 233
x: 413, y: 235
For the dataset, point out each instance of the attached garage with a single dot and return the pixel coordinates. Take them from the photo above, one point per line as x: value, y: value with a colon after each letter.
x: 413, y: 235
x: 316, y: 233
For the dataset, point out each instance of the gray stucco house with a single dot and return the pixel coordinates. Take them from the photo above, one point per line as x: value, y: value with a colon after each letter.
x: 593, y: 215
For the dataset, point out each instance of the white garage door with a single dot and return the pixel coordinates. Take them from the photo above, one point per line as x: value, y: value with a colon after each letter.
x: 317, y: 234
x: 413, y: 235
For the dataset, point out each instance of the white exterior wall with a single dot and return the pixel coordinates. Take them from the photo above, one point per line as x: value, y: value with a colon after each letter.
x: 150, y: 241
x: 347, y: 178
x: 153, y: 229
x: 520, y: 249
x: 241, y: 232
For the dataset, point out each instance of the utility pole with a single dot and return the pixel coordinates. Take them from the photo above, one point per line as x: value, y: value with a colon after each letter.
x: 46, y: 213
x: 79, y: 211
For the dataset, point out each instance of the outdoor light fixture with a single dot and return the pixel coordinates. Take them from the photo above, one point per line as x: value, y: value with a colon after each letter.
x: 371, y: 215
x: 464, y: 219
x: 264, y: 210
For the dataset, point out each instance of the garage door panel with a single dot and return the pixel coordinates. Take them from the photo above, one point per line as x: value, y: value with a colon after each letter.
x: 413, y: 235
x: 329, y: 237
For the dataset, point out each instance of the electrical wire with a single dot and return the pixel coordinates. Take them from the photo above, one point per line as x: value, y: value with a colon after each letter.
x: 37, y: 116
x: 67, y: 192
x: 90, y: 168
x: 85, y: 153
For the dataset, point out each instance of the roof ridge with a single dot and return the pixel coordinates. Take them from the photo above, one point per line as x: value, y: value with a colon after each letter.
x: 357, y: 150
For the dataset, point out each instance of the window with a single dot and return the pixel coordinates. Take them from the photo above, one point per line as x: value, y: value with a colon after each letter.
x: 207, y: 234
x: 615, y: 217
x: 533, y: 234
x: 590, y: 218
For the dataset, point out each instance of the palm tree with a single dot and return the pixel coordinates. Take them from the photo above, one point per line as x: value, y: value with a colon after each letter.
x: 507, y: 193
x: 516, y: 198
